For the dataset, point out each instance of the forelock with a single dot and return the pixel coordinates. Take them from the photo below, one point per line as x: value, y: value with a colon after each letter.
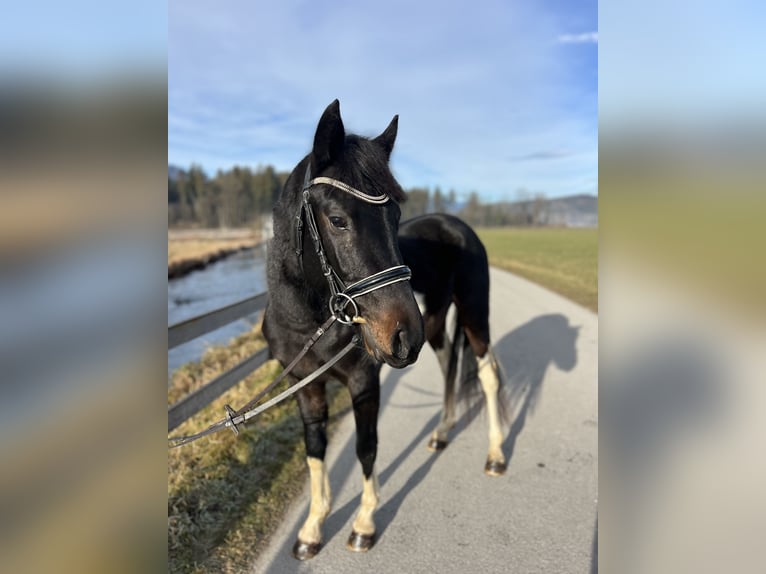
x: 363, y: 160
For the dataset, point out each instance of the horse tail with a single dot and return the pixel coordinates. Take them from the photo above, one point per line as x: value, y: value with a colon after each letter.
x: 470, y: 386
x: 453, y: 361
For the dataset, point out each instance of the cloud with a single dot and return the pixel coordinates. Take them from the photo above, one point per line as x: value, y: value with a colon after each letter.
x: 465, y: 107
x: 584, y: 38
x: 547, y: 154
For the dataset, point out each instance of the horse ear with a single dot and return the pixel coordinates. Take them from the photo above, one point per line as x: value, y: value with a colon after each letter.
x: 329, y: 137
x: 388, y: 137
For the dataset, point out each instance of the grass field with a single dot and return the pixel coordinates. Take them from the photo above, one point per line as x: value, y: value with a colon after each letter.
x: 563, y: 260
x: 704, y: 234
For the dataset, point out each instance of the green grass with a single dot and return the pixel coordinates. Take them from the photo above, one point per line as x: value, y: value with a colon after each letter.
x: 227, y: 493
x: 560, y: 259
x: 707, y: 235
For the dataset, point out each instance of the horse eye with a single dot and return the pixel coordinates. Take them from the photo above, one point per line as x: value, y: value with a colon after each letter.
x: 338, y: 222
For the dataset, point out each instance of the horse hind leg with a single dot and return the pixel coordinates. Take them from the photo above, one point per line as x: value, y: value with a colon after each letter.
x: 489, y: 378
x: 447, y: 355
x: 490, y: 384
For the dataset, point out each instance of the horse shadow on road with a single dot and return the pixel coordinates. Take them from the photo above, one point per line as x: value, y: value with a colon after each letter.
x: 525, y: 355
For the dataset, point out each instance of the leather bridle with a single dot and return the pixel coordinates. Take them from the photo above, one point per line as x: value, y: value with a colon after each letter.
x: 341, y: 296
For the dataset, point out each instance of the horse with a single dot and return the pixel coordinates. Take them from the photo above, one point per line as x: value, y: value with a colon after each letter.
x: 342, y: 200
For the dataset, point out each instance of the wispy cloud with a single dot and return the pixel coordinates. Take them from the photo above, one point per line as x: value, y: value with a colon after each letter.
x: 465, y: 107
x: 548, y: 154
x: 584, y: 38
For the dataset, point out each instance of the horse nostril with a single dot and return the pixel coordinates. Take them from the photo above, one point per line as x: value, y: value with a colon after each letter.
x: 400, y: 346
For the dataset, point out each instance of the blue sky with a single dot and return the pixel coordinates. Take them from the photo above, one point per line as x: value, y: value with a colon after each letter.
x: 681, y: 64
x: 493, y: 96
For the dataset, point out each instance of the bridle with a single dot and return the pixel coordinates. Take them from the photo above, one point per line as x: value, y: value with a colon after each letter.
x: 341, y: 296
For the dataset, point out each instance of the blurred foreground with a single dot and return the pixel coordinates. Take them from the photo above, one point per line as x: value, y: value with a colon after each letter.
x: 82, y: 334
x: 681, y: 394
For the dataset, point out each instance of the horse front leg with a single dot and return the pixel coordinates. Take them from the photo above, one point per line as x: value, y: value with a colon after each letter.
x: 313, y: 407
x: 366, y: 401
x: 490, y: 384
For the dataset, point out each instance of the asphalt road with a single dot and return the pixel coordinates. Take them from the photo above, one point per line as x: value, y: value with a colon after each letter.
x: 439, y: 513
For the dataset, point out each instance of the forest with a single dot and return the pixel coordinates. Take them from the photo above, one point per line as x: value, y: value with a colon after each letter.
x: 241, y: 197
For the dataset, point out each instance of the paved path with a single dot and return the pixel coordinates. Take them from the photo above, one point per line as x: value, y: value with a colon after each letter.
x: 439, y: 513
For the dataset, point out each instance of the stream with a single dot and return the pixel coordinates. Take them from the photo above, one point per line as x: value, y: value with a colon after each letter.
x: 222, y: 283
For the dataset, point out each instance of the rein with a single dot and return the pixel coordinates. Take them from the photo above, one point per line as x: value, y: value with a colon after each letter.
x: 341, y: 296
x: 234, y: 418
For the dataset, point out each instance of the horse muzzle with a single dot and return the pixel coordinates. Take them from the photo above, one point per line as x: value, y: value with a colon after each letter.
x: 395, y: 337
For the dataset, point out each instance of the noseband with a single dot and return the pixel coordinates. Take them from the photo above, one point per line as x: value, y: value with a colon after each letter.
x: 341, y: 296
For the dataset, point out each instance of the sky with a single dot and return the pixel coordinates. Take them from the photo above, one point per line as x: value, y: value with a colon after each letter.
x: 492, y: 96
x: 82, y: 40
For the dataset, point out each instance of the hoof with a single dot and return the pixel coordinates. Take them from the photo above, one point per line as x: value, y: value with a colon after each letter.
x: 435, y: 445
x: 494, y: 468
x: 305, y: 550
x: 360, y: 542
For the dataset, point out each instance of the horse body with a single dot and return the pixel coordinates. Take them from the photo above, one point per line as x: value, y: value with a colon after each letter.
x: 359, y: 239
x: 450, y: 267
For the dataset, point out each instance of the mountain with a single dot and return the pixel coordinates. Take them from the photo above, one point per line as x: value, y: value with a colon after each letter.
x: 174, y: 172
x: 573, y: 211
x: 570, y: 211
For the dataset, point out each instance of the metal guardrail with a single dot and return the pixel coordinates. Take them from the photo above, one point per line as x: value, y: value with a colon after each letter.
x: 195, y: 327
x: 185, y: 331
x: 192, y: 403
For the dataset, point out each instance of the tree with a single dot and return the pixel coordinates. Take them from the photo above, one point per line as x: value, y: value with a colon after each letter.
x: 438, y: 201
x: 195, y: 193
x: 524, y: 205
x: 416, y: 204
x: 174, y: 202
x: 472, y: 212
x: 540, y: 209
x: 230, y: 187
x: 451, y: 200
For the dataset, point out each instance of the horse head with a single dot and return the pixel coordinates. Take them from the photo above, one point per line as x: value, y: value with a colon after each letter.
x: 353, y: 200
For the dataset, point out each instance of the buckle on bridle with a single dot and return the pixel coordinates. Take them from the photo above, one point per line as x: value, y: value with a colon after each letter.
x: 230, y: 414
x: 338, y: 304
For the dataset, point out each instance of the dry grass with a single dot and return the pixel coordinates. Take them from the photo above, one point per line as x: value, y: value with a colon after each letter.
x: 184, y: 249
x: 200, y: 248
x: 194, y: 249
x: 227, y: 493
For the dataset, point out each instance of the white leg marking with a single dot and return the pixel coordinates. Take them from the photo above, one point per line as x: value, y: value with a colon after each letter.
x: 363, y: 524
x: 490, y: 384
x: 311, y: 532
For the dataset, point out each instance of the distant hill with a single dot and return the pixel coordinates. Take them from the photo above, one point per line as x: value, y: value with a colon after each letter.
x: 573, y: 211
x: 174, y: 172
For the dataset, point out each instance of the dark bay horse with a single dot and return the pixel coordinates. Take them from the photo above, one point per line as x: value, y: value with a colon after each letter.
x: 336, y: 251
